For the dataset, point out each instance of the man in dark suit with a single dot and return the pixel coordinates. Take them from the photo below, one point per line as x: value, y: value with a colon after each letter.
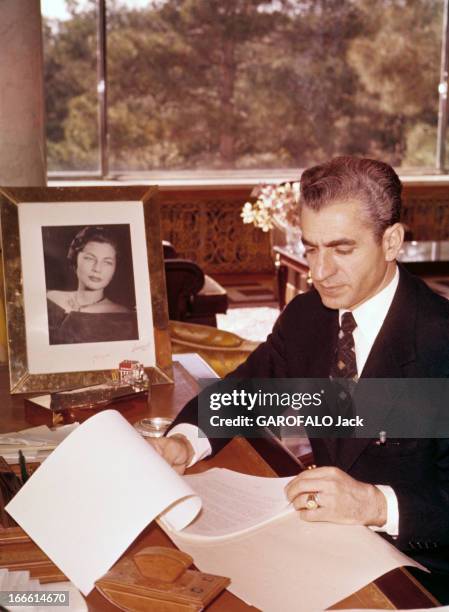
x: 366, y: 317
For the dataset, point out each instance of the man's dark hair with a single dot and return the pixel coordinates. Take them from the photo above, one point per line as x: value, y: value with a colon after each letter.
x: 342, y: 179
x: 91, y: 233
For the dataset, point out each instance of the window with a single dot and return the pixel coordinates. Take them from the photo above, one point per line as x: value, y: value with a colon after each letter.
x: 70, y: 82
x: 246, y: 84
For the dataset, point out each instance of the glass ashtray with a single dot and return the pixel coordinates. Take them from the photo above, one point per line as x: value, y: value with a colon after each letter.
x: 153, y: 427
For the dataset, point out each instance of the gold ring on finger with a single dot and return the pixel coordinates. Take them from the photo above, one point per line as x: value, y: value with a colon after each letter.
x: 312, y: 501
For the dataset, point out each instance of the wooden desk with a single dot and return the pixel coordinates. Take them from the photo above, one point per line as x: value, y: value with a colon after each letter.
x: 166, y: 400
x: 395, y: 589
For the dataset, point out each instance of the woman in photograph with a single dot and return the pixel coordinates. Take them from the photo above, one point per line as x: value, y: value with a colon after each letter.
x: 87, y: 314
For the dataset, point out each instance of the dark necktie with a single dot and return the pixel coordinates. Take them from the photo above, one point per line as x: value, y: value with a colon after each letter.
x: 344, y: 374
x: 345, y: 364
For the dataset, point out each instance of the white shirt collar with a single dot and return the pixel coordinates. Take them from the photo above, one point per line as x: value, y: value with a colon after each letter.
x: 369, y: 317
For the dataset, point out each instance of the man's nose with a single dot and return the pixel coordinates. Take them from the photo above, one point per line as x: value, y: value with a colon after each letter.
x: 322, y: 267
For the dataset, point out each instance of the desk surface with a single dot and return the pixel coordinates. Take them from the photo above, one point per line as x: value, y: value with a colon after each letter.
x: 396, y: 588
x: 166, y: 400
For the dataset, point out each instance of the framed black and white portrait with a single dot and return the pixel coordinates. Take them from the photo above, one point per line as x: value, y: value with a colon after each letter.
x: 89, y: 270
x: 84, y: 285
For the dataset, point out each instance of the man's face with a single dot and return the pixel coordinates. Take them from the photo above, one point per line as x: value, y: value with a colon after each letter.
x: 347, y: 265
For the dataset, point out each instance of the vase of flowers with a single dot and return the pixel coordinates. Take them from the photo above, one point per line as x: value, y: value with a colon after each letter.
x: 276, y: 207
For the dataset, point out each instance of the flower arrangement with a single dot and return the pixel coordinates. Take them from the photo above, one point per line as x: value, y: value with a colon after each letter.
x: 275, y: 206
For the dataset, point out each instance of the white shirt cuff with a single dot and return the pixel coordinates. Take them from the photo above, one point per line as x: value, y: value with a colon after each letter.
x: 392, y: 525
x: 200, y: 444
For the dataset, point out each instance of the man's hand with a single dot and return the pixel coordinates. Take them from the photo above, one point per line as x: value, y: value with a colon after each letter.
x: 341, y: 499
x: 176, y: 450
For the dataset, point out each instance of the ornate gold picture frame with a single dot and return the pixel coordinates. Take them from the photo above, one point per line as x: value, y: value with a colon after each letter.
x: 40, y: 227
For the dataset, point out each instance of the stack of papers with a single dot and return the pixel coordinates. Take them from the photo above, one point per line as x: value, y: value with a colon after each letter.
x: 12, y: 584
x: 239, y: 519
x: 36, y: 443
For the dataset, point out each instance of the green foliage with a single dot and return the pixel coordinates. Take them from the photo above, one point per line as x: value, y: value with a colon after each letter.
x: 70, y: 86
x: 246, y: 83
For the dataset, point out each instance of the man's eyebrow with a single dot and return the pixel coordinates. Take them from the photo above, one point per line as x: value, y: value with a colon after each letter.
x: 332, y: 243
x: 340, y: 242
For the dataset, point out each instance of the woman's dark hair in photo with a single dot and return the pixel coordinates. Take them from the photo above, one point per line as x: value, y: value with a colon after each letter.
x: 91, y: 233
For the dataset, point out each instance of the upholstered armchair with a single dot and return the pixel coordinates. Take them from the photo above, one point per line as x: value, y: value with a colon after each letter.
x: 222, y: 350
x: 192, y: 295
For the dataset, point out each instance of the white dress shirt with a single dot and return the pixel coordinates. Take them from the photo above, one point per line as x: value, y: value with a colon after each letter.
x: 369, y: 317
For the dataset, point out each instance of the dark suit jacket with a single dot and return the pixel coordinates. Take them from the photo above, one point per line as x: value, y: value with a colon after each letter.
x: 412, y: 343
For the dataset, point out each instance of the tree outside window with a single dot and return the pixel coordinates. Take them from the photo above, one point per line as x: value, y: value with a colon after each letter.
x: 245, y: 84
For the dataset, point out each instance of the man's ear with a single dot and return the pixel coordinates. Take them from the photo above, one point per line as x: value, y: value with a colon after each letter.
x: 392, y: 241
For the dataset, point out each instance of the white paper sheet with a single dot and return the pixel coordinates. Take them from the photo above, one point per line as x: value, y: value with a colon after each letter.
x: 3, y: 574
x: 104, y: 483
x: 195, y: 365
x: 21, y: 581
x: 76, y: 600
x: 293, y: 565
x: 35, y: 442
x: 234, y: 502
x: 69, y: 506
